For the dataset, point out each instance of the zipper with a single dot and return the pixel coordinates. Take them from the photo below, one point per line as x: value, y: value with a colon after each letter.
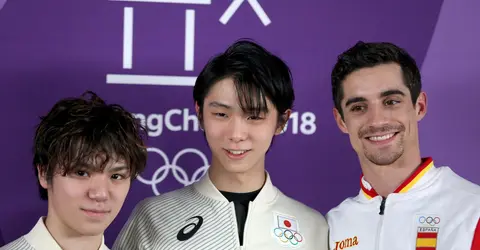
x: 382, y: 206
x: 232, y: 206
x: 380, y: 222
x: 245, y: 228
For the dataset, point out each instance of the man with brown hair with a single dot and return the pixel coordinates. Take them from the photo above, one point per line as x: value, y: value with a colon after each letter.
x: 86, y: 154
x: 405, y: 200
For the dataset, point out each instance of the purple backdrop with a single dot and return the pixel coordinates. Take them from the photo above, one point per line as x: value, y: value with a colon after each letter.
x: 145, y: 55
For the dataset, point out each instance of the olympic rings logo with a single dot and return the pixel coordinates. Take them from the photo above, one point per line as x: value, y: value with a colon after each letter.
x: 287, y: 235
x: 178, y: 173
x: 429, y: 220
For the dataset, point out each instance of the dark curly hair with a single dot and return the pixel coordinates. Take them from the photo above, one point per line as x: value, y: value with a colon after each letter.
x: 77, y: 130
x: 367, y: 55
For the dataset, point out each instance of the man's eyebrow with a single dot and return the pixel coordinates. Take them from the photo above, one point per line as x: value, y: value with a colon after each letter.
x: 386, y: 93
x: 216, y: 104
x: 392, y: 92
x: 352, y: 100
x: 118, y: 168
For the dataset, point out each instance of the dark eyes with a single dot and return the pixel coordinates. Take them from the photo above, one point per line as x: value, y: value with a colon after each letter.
x: 117, y: 176
x: 82, y: 173
x: 359, y: 108
x: 391, y: 102
x: 223, y: 115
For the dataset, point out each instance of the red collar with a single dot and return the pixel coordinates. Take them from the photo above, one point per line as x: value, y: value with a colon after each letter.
x: 427, y: 164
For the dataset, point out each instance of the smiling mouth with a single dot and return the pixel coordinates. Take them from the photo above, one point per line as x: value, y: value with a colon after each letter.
x: 237, y: 152
x: 381, y: 138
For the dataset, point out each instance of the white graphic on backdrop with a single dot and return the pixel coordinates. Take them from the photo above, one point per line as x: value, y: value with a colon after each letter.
x: 299, y: 123
x: 155, y: 123
x: 184, y: 120
x: 255, y: 6
x: 303, y: 124
x: 168, y: 1
x: 189, y: 52
x: 162, y: 172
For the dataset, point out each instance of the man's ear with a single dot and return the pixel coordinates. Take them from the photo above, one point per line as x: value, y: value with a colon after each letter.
x: 283, y: 121
x: 197, y: 108
x: 199, y: 115
x: 421, y: 106
x: 340, y: 122
x: 42, y: 177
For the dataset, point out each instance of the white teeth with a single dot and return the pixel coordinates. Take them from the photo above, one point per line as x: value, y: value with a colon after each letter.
x: 381, y: 138
x: 237, y: 152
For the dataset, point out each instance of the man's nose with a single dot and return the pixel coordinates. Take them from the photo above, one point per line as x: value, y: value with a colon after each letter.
x: 238, y: 129
x: 99, y: 185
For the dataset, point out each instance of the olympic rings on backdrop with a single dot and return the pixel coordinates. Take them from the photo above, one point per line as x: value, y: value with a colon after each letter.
x: 178, y: 172
x: 287, y: 235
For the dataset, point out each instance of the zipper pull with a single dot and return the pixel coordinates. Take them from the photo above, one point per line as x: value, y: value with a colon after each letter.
x: 382, y: 206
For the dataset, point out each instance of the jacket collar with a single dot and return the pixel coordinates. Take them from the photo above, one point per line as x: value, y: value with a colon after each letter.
x: 40, y: 238
x: 267, y: 194
x: 417, y: 179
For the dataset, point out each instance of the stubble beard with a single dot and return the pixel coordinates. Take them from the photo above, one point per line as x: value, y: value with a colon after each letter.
x: 386, y: 156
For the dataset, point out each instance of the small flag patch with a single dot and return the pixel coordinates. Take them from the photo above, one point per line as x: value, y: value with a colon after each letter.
x: 287, y: 223
x: 427, y: 238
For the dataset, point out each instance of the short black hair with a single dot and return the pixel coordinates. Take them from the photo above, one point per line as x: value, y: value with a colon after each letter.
x: 76, y: 130
x: 366, y: 55
x: 257, y: 74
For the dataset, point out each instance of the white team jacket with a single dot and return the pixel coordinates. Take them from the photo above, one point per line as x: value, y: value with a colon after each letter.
x: 39, y: 238
x: 200, y: 217
x: 433, y: 209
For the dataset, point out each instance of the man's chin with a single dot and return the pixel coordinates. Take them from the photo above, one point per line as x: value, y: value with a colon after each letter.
x: 89, y: 229
x: 383, y: 158
x: 237, y: 168
x: 383, y: 161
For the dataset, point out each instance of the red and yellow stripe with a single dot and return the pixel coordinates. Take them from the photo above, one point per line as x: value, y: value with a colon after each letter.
x: 426, y: 241
x: 427, y: 164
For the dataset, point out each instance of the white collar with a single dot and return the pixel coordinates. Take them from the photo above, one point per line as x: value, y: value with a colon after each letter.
x: 267, y: 194
x: 420, y: 179
x: 40, y: 238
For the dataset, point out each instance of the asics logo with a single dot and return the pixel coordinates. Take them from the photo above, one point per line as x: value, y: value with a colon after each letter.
x: 183, y: 236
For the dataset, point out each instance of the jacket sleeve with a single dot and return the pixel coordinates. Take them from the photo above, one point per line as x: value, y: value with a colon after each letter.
x: 476, y: 237
x: 134, y: 234
x: 321, y: 242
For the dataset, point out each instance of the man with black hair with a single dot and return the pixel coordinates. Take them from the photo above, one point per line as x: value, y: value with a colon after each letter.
x: 243, y: 98
x: 405, y: 202
x: 86, y: 153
